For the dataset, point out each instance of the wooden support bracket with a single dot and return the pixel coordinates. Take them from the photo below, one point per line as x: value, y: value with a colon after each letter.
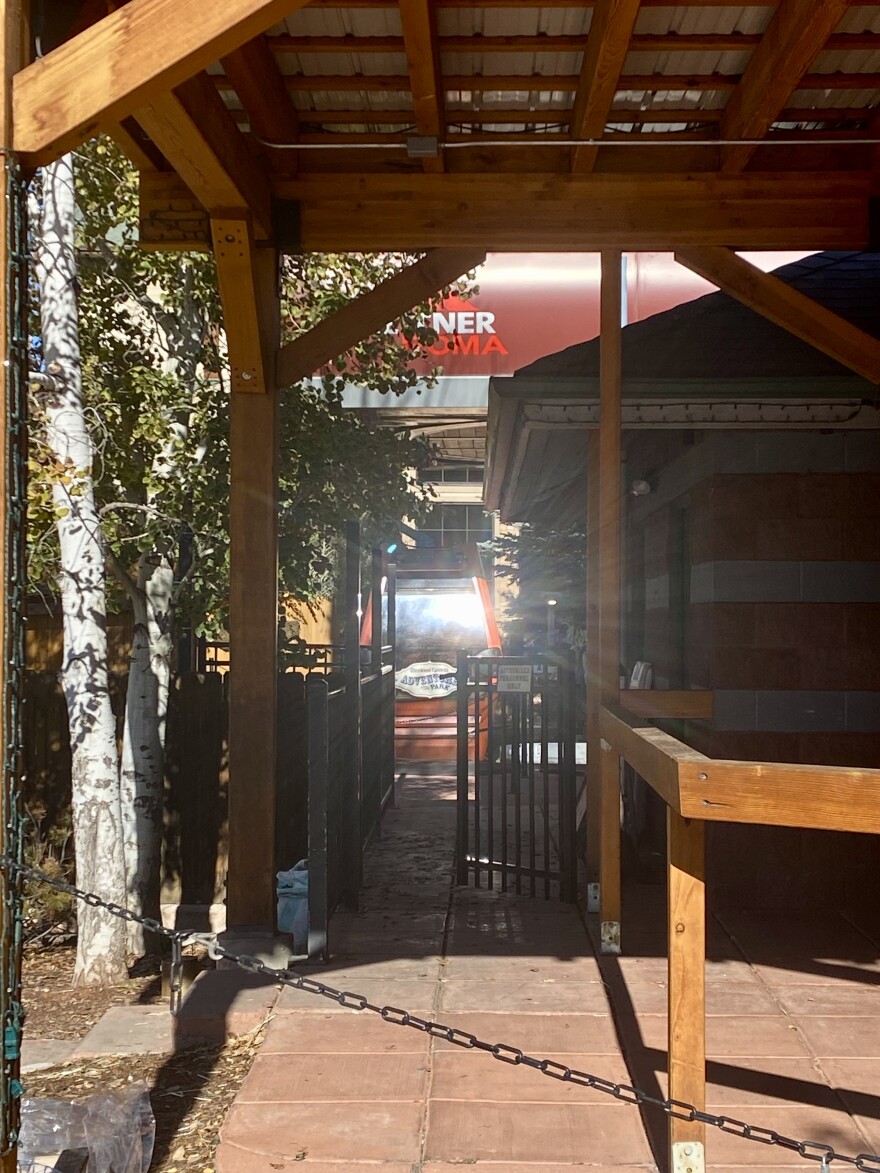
x: 233, y: 249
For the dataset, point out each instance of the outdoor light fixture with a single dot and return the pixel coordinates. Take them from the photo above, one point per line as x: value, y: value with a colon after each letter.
x: 551, y: 602
x: 640, y: 488
x: 423, y: 146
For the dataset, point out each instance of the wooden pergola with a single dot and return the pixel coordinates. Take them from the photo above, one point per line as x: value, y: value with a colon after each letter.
x: 264, y: 126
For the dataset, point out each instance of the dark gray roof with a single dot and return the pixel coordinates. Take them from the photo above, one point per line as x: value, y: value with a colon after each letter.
x: 716, y: 337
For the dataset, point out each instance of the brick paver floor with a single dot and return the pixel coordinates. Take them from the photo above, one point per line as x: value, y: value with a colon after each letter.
x: 793, y: 1031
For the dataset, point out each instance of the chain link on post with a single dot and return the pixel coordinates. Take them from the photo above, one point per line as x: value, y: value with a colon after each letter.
x: 14, y: 490
x: 809, y: 1150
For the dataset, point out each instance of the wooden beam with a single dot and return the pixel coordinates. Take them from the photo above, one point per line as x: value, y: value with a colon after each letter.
x: 660, y: 704
x: 372, y: 311
x: 826, y: 798
x: 234, y: 254
x: 126, y: 61
x: 254, y: 73
x: 561, y: 212
x: 171, y: 219
x: 787, y: 307
x: 197, y: 134
x: 686, y: 990
x: 610, y: 518
x: 253, y: 620
x: 419, y: 40
x: 607, y: 46
x: 796, y: 34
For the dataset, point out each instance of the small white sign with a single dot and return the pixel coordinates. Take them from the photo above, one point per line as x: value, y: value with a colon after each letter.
x: 515, y: 678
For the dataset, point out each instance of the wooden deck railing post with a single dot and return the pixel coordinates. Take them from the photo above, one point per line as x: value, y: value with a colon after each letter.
x: 687, y: 986
x: 609, y: 584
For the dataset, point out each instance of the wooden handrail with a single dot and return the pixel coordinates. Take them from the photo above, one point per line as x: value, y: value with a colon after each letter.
x: 826, y: 798
x: 698, y: 789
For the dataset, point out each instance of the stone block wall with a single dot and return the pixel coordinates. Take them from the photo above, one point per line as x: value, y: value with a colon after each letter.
x: 753, y: 569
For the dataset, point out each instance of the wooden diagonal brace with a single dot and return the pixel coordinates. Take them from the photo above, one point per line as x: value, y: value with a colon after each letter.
x: 787, y: 307
x: 373, y: 311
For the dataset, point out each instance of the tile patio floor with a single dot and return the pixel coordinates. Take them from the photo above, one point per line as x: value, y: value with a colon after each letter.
x: 793, y: 1032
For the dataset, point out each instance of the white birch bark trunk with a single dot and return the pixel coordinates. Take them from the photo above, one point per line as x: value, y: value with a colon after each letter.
x: 142, y: 772
x: 84, y: 675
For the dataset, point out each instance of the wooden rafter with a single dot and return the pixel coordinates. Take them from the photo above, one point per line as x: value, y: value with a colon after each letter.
x: 253, y: 71
x: 199, y: 138
x: 424, y: 72
x: 796, y: 34
x: 372, y: 311
x: 787, y: 307
x: 607, y: 47
x: 123, y: 62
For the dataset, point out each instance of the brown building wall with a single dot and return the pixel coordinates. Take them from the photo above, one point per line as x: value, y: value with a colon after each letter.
x: 754, y: 570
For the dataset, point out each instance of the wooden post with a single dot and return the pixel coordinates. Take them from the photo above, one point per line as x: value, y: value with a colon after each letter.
x: 352, y: 800
x: 13, y: 297
x: 253, y: 629
x: 593, y: 675
x: 687, y: 986
x: 609, y: 584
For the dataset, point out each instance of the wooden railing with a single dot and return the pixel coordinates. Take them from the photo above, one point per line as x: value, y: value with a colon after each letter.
x: 698, y: 789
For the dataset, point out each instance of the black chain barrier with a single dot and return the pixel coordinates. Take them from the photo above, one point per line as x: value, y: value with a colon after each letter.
x: 810, y: 1150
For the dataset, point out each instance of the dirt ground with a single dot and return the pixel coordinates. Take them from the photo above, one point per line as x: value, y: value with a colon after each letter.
x: 190, y: 1092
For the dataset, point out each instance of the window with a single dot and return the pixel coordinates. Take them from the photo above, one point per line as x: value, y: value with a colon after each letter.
x: 470, y: 474
x: 455, y: 525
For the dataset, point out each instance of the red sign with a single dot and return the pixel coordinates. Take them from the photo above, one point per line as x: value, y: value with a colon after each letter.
x: 533, y: 304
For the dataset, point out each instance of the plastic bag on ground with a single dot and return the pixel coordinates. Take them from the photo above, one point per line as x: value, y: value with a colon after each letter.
x: 293, y: 905
x: 117, y: 1129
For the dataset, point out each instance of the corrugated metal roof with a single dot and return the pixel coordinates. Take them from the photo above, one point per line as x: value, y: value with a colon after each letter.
x: 537, y: 69
x: 703, y: 20
x: 523, y: 21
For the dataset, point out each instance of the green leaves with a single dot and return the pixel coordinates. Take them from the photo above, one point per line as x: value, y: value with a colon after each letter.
x: 156, y: 389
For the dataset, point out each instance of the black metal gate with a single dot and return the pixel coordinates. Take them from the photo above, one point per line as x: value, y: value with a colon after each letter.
x: 516, y: 824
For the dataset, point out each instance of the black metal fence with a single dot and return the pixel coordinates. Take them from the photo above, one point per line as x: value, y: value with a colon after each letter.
x: 342, y: 819
x: 517, y: 774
